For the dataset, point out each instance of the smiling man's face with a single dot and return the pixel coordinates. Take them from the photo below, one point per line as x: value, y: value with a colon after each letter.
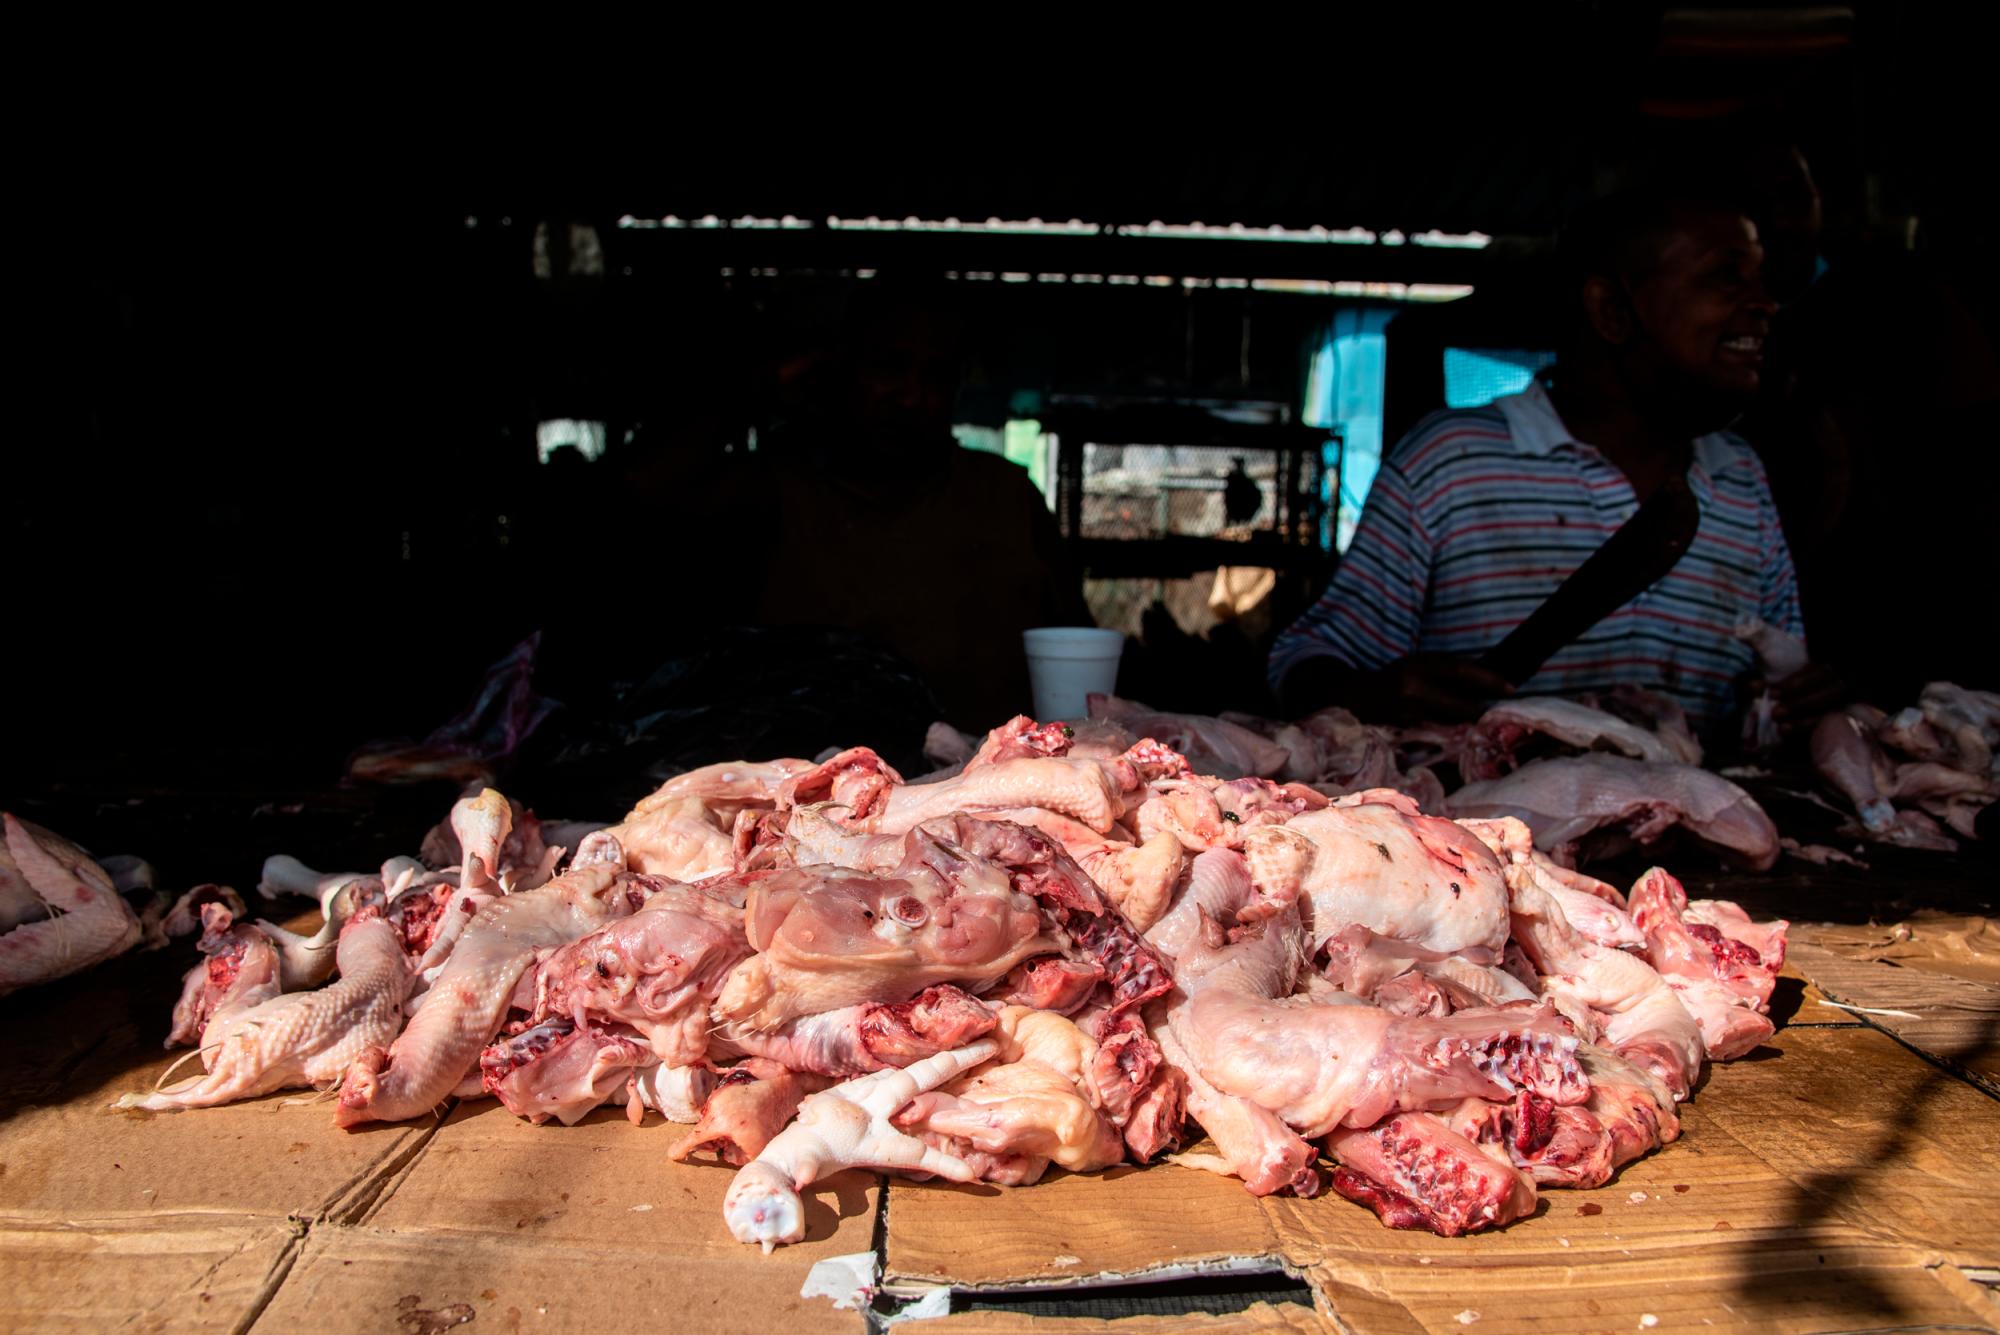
x: 1703, y: 308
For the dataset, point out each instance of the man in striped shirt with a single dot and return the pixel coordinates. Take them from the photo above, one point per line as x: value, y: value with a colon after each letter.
x: 1479, y: 515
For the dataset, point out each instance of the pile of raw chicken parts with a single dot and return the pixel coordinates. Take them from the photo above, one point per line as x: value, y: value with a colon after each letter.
x: 1075, y: 947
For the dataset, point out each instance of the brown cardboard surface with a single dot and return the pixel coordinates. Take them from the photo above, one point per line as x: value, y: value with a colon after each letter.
x: 193, y: 1278
x: 1832, y: 1180
x: 566, y: 1228
x: 170, y: 1221
x: 1954, y: 945
x: 421, y: 1281
x: 1797, y: 1000
x: 262, y: 1159
x: 1123, y: 1222
x: 1817, y: 1185
x: 67, y: 1051
x: 488, y: 1172
x: 1955, y: 1020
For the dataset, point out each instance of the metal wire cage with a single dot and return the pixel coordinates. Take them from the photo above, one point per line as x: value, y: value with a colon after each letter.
x: 1167, y: 490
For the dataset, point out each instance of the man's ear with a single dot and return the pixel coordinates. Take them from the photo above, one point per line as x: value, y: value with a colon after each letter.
x: 1605, y: 307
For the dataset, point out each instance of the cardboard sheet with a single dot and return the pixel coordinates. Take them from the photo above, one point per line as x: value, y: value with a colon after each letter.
x: 1821, y: 1183
x: 186, y: 1221
x: 572, y: 1228
x: 423, y: 1281
x: 1932, y: 980
x: 1957, y: 946
x: 184, y: 1276
x: 1833, y: 1180
x: 1798, y: 1002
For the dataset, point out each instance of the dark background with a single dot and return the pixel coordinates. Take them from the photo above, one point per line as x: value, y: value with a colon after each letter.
x: 272, y: 491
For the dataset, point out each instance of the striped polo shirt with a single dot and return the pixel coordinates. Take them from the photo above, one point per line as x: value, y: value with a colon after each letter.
x: 1478, y: 515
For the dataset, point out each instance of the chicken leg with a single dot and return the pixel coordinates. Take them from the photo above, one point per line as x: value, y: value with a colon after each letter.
x: 847, y: 1126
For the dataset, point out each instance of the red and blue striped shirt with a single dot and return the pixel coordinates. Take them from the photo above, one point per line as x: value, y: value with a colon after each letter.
x: 1479, y: 514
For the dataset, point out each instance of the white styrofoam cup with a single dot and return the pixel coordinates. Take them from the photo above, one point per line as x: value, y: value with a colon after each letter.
x: 1067, y: 663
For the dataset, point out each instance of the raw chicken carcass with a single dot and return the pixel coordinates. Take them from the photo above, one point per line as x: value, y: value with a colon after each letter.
x: 163, y: 920
x: 677, y: 1093
x: 1404, y: 979
x: 1925, y: 780
x: 1053, y: 984
x: 1087, y: 918
x: 1022, y: 738
x: 308, y: 961
x: 482, y: 825
x: 1712, y: 939
x: 521, y: 860
x: 628, y: 996
x: 1779, y: 655
x: 1206, y: 813
x: 970, y: 900
x: 1091, y: 792
x: 1662, y: 715
x: 1592, y: 907
x: 1629, y: 1113
x: 1320, y: 1066
x: 470, y: 998
x: 1351, y: 755
x: 727, y: 788
x: 59, y: 910
x: 847, y: 1126
x: 1563, y: 800
x: 1252, y: 1142
x: 559, y: 1069
x: 1033, y: 1105
x: 1722, y: 982
x: 1375, y: 860
x: 286, y: 1040
x: 1906, y: 732
x: 1138, y: 878
x: 1415, y: 1171
x: 856, y: 779
x: 1489, y: 748
x: 811, y: 836
x: 1620, y: 1000
x: 1970, y: 719
x: 681, y: 839
x: 1222, y: 886
x: 240, y: 967
x: 1036, y: 768
x: 1010, y: 1122
x: 750, y: 1105
x: 827, y: 937
x: 300, y: 962
x: 1212, y: 745
x: 655, y: 971
x: 1846, y: 756
x: 1917, y: 829
x: 1633, y: 1106
x: 1157, y: 1122
x: 873, y: 1036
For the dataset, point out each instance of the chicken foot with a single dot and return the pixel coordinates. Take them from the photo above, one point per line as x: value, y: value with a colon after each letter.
x: 847, y: 1126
